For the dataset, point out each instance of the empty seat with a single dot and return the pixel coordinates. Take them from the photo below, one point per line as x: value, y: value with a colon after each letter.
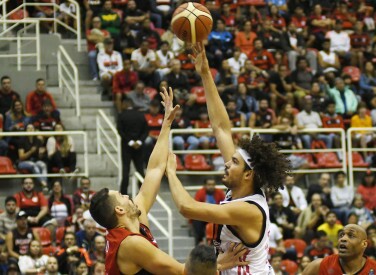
x: 358, y: 161
x: 151, y: 92
x: 352, y: 71
x: 60, y: 232
x: 299, y: 245
x: 196, y: 163
x: 200, y: 94
x: 328, y: 160
x: 44, y: 235
x: 290, y: 267
x: 310, y: 160
x: 6, y: 166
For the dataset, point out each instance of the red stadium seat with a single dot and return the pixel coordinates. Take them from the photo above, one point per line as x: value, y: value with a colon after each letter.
x: 309, y: 158
x: 328, y: 160
x: 196, y: 163
x: 44, y: 235
x: 18, y: 15
x: 251, y: 3
x: 290, y: 267
x: 151, y: 92
x: 358, y: 161
x: 6, y: 166
x: 214, y: 72
x: 49, y: 250
x: 352, y: 71
x: 120, y: 2
x: 60, y: 232
x: 299, y: 245
x: 160, y: 31
x: 179, y: 165
x: 200, y: 93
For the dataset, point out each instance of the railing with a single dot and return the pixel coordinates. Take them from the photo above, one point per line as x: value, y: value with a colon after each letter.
x: 22, y: 38
x: 68, y: 77
x: 351, y: 149
x: 56, y: 21
x: 169, y: 233
x: 48, y: 134
x: 106, y: 143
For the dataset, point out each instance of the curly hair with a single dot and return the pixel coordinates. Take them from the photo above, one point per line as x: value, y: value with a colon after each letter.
x: 270, y: 166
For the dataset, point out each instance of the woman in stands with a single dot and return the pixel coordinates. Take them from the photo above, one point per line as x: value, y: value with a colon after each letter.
x: 34, y: 262
x: 60, y: 205
x: 367, y: 189
x: 16, y: 118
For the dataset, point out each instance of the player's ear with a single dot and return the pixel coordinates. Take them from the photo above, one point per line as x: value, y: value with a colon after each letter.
x: 248, y: 174
x: 119, y: 210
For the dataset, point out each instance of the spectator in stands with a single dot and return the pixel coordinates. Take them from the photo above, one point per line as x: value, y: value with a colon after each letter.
x: 228, y: 17
x: 367, y: 82
x: 34, y: 261
x: 270, y: 37
x: 46, y: 119
x: 342, y: 196
x: 109, y: 63
x: 320, y: 247
x: 302, y: 80
x: 111, y: 22
x: 3, y: 257
x: 225, y: 80
x: 59, y: 204
x: 345, y: 99
x: 322, y: 187
x: 276, y: 239
x: 67, y: 12
x: 82, y: 196
x: 150, y: 7
x: 220, y: 43
x: 95, y: 38
x: 35, y: 99
x: 178, y: 80
x: 18, y: 240
x: 339, y: 41
x: 140, y: 100
x: 61, y: 152
x: 93, y: 8
x: 52, y: 266
x: 202, y: 140
x: 99, y: 251
x: 299, y: 19
x: 238, y: 119
x: 164, y: 58
x: 146, y: 33
x: 3, y: 141
x: 245, y: 38
x: 80, y: 267
x: 32, y: 156
x: 180, y: 122
x: 209, y: 194
x: 237, y: 60
x: 85, y: 238
x: 75, y: 223
x: 367, y: 188
x: 99, y: 268
x: 245, y: 103
x: 331, y: 119
x: 304, y: 261
x: 261, y: 58
x: 69, y: 254
x: 133, y: 17
x: 7, y: 95
x: 8, y: 217
x: 371, y: 236
x: 254, y: 79
x: 293, y: 196
x: 280, y: 87
x: 319, y: 25
x: 276, y: 263
x: 35, y: 205
x: 17, y: 118
x: 154, y: 120
x: 318, y: 97
x: 360, y: 42
x: 331, y: 227
x: 365, y: 217
x: 264, y: 118
x: 145, y: 64
x: 282, y: 216
x: 311, y: 218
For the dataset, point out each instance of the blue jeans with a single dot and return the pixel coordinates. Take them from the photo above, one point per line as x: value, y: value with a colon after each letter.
x: 178, y: 142
x: 38, y: 167
x: 194, y: 142
x: 3, y: 147
x: 93, y: 64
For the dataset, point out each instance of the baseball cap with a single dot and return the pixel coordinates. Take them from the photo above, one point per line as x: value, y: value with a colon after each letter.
x: 21, y: 214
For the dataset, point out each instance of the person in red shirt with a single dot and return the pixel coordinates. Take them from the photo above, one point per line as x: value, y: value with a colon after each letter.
x: 333, y: 120
x: 360, y: 42
x: 35, y: 99
x: 367, y: 188
x: 261, y: 58
x: 352, y: 242
x: 319, y: 26
x: 299, y: 19
x: 83, y: 195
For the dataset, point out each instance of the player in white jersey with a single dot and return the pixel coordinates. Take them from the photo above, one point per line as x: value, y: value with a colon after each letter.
x: 244, y: 215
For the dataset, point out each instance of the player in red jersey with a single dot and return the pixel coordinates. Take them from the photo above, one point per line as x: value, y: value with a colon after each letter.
x: 352, y: 242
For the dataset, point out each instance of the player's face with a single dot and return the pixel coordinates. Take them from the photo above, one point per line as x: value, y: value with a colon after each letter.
x: 127, y: 203
x: 350, y: 242
x: 234, y: 171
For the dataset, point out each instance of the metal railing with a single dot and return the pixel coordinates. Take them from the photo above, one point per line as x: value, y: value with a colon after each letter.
x: 351, y: 149
x: 55, y: 19
x: 23, y: 39
x: 48, y: 134
x: 68, y: 77
x: 168, y: 232
x: 107, y: 143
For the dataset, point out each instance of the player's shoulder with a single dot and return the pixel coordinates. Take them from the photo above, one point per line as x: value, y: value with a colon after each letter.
x: 313, y: 268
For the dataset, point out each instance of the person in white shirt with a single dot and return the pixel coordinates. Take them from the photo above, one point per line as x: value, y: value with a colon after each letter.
x: 339, y: 40
x: 237, y: 61
x: 164, y: 57
x: 342, y: 196
x: 293, y: 196
x: 35, y: 262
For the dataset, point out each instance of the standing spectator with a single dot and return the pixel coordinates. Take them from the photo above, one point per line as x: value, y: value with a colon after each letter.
x: 146, y: 33
x: 111, y: 22
x: 99, y: 251
x: 17, y: 118
x: 18, y: 240
x: 82, y: 196
x: 95, y: 38
x: 35, y: 99
x: 339, y: 41
x: 245, y: 38
x: 93, y: 8
x: 367, y: 188
x: 8, y: 217
x: 178, y: 80
x: 59, y: 204
x: 342, y: 196
x: 34, y: 262
x: 209, y: 194
x: 144, y: 62
x: 35, y: 205
x: 322, y: 187
x: 345, y: 99
x: 140, y: 100
x: 260, y: 57
x: 46, y: 119
x: 320, y: 247
x: 328, y: 60
x: 85, y: 238
x: 60, y: 151
x: 331, y: 227
x: 154, y: 120
x: 133, y: 130
x: 164, y: 57
x: 7, y: 95
x: 109, y: 62
x: 293, y: 196
x: 367, y: 82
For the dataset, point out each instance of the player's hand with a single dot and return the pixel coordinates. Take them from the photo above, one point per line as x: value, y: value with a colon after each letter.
x: 232, y: 257
x: 168, y: 98
x: 171, y: 163
x: 200, y: 60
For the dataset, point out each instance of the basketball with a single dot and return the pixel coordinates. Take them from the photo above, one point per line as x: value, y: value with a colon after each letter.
x: 192, y: 22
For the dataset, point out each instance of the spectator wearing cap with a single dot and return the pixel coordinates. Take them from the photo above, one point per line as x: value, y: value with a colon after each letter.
x: 35, y: 99
x: 345, y: 99
x: 7, y: 95
x: 111, y: 22
x: 367, y: 188
x: 19, y: 239
x: 109, y: 62
x: 339, y: 41
x: 46, y: 119
x: 8, y: 217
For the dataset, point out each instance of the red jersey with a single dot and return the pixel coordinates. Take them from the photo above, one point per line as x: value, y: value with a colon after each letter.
x: 330, y: 265
x: 263, y: 60
x: 36, y: 200
x: 114, y: 238
x: 123, y: 82
x: 34, y: 101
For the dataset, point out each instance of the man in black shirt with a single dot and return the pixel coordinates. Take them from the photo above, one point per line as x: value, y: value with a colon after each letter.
x: 280, y: 87
x: 7, y: 95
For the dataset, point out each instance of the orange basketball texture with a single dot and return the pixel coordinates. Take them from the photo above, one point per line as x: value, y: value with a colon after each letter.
x: 192, y: 22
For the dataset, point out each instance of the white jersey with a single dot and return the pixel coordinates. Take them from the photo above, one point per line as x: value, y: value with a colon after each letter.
x: 258, y: 252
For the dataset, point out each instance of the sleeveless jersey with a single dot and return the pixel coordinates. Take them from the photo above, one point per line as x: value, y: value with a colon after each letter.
x: 258, y: 252
x: 331, y: 265
x: 114, y: 238
x: 21, y: 242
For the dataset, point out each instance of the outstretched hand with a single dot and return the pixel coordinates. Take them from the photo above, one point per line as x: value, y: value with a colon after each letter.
x: 200, y: 60
x: 231, y: 257
x: 171, y: 163
x: 167, y: 103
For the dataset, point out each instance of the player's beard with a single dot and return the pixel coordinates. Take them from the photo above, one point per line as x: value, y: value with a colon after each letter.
x: 134, y: 212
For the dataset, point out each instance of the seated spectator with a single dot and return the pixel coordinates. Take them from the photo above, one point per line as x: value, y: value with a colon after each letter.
x: 8, y: 217
x: 220, y: 44
x: 263, y: 118
x: 164, y: 58
x: 270, y: 37
x: 254, y: 79
x: 279, y: 23
x: 282, y: 216
x: 339, y: 41
x: 34, y: 261
x: 144, y: 62
x: 331, y: 227
x: 360, y: 42
x: 180, y: 122
x: 300, y: 20
x: 304, y: 262
x: 7, y: 95
x: 320, y: 247
x: 46, y: 119
x: 280, y: 87
x: 346, y: 15
x: 67, y: 12
x: 140, y: 100
x: 82, y: 196
x: 293, y: 196
x: 225, y: 80
x: 99, y: 268
x: 276, y: 239
x: 133, y: 17
x: 75, y: 222
x: 318, y: 97
x: 331, y: 119
x: 59, y: 204
x: 371, y: 236
x: 276, y: 263
x: 109, y: 63
x: 228, y: 17
x: 262, y: 59
x: 81, y: 267
x: 3, y: 141
x: 209, y: 194
x: 4, y: 266
x: 367, y: 189
x: 245, y: 103
x: 301, y: 80
x: 35, y: 99
x: 245, y: 38
x: 93, y: 8
x: 237, y: 118
x: 367, y: 82
x: 35, y: 205
x: 252, y: 14
x: 99, y: 251
x: 69, y: 254
x: 154, y: 121
x: 52, y: 266
x: 146, y: 33
x: 111, y: 22
x: 150, y: 8
x: 178, y: 80
x: 16, y: 118
x: 319, y: 23
x: 237, y: 60
x: 177, y: 46
x: 49, y: 12
x: 95, y: 38
x: 365, y: 217
x: 32, y: 156
x: 85, y: 238
x: 360, y: 120
x: 322, y: 187
x: 205, y: 139
x: 328, y: 60
x: 19, y: 239
x: 60, y: 151
x: 342, y: 196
